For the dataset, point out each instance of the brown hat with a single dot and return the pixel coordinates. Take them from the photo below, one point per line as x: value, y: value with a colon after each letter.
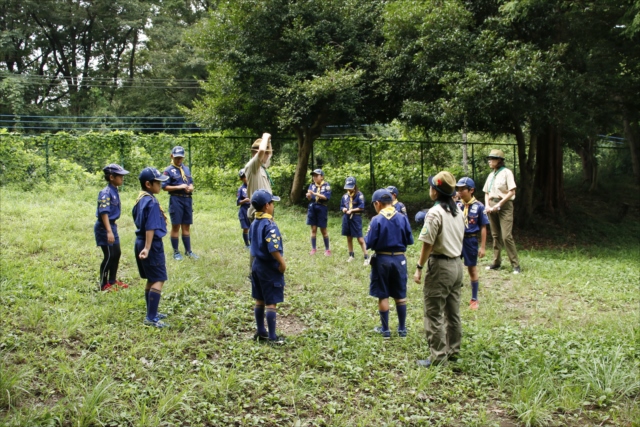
x: 256, y: 145
x: 444, y: 183
x: 496, y: 154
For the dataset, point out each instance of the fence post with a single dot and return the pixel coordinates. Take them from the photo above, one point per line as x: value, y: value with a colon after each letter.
x: 515, y: 168
x: 313, y: 157
x: 473, y: 161
x: 421, y: 165
x: 46, y: 155
x: 121, y: 151
x: 189, y: 138
x: 372, y: 175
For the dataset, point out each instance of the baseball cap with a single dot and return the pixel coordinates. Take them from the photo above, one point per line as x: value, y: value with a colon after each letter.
x: 177, y: 151
x: 496, y: 154
x: 392, y: 190
x: 349, y: 183
x: 421, y: 215
x: 382, y: 195
x: 115, y: 169
x: 241, y: 173
x: 151, y: 174
x: 466, y: 182
x: 261, y: 197
x: 317, y: 172
x: 444, y: 183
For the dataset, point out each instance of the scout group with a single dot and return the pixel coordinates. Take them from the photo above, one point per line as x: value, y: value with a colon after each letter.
x: 454, y: 228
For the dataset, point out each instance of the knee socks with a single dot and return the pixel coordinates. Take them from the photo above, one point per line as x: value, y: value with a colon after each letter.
x: 271, y: 322
x: 175, y: 244
x: 326, y: 243
x: 258, y: 312
x: 402, y: 315
x: 245, y: 238
x: 186, y: 241
x: 474, y: 290
x: 154, y: 302
x: 313, y: 243
x: 384, y: 319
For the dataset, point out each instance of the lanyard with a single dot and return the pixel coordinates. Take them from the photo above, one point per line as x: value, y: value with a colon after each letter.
x: 268, y: 176
x: 494, y: 177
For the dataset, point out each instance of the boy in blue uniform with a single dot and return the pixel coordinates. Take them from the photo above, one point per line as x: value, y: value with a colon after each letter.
x: 389, y: 235
x: 475, y: 224
x: 267, y: 270
x: 106, y: 230
x: 399, y: 206
x: 352, y: 205
x: 319, y: 193
x: 242, y: 200
x: 151, y: 224
x: 180, y: 187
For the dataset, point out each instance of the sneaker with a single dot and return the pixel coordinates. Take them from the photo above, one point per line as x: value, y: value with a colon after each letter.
x: 327, y: 253
x: 473, y: 304
x: 313, y: 252
x: 385, y: 334
x: 122, y: 285
x: 258, y: 337
x: 248, y: 247
x: 516, y: 270
x: 108, y: 288
x: 161, y: 316
x: 191, y: 255
x: 279, y: 340
x: 367, y: 261
x: 177, y: 256
x: 350, y: 259
x: 425, y: 363
x: 493, y: 267
x: 156, y: 323
x: 402, y: 333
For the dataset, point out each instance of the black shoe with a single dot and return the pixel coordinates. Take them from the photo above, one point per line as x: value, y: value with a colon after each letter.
x: 258, y: 337
x: 493, y: 267
x: 278, y: 341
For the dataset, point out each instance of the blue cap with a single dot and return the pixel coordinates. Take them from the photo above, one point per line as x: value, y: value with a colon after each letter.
x: 262, y: 197
x: 466, y: 182
x: 177, y: 151
x: 152, y: 174
x: 349, y: 183
x: 421, y: 215
x: 317, y: 172
x: 382, y: 195
x: 241, y: 173
x: 393, y: 190
x: 115, y: 169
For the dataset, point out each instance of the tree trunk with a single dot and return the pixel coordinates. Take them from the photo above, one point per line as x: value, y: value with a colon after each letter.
x: 549, y: 175
x: 527, y: 164
x: 587, y: 153
x: 632, y: 133
x: 305, y: 144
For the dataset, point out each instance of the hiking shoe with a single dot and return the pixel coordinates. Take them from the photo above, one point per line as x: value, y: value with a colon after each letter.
x: 177, y: 256
x: 351, y: 259
x: 402, y: 333
x: 327, y: 253
x: 191, y: 255
x: 473, y: 304
x: 516, y: 270
x: 156, y: 323
x: 425, y: 363
x: 122, y: 285
x: 367, y: 261
x: 258, y: 337
x: 278, y: 341
x: 493, y: 267
x: 385, y: 334
x: 313, y: 252
x: 108, y: 288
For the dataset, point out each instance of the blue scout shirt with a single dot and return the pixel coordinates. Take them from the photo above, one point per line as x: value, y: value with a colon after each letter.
x: 324, y: 189
x: 475, y: 216
x: 109, y: 203
x: 265, y: 237
x: 389, y: 232
x: 400, y: 207
x: 148, y: 216
x: 175, y: 177
x: 356, y: 203
x: 241, y: 195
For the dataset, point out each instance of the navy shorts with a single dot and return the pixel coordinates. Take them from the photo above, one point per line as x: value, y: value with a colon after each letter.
x: 101, y: 234
x: 267, y: 283
x: 243, y: 216
x: 352, y: 227
x: 153, y: 268
x: 388, y: 276
x: 181, y: 210
x: 317, y: 215
x: 470, y: 251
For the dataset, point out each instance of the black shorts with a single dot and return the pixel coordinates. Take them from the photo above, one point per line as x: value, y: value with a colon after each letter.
x: 153, y: 268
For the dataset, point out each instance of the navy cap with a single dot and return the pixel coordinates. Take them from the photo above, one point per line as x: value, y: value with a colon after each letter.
x: 241, y: 173
x: 349, y: 183
x: 262, y: 197
x: 421, y: 215
x: 382, y: 195
x: 115, y: 169
x: 317, y: 172
x: 152, y: 174
x: 466, y: 182
x: 392, y: 190
x: 177, y: 151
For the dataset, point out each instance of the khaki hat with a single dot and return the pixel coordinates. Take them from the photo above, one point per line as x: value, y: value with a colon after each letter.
x: 256, y: 145
x: 444, y: 183
x: 496, y: 154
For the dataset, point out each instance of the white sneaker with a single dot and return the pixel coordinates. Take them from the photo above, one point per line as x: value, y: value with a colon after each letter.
x: 367, y: 261
x: 350, y: 259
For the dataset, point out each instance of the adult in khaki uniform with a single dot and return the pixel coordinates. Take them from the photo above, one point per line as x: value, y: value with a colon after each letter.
x: 256, y: 169
x: 441, y: 238
x: 499, y: 194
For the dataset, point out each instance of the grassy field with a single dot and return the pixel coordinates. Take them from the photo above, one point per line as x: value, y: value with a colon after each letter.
x: 557, y: 345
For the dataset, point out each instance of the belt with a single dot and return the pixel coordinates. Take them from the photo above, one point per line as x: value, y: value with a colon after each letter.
x: 438, y: 256
x: 496, y: 199
x: 319, y: 203
x: 180, y: 195
x: 389, y: 253
x: 470, y: 235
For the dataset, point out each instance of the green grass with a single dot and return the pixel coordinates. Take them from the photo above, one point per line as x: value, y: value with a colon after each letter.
x: 557, y: 345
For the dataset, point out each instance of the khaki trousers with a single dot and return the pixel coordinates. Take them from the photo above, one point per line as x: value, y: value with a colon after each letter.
x: 501, y: 226
x: 442, y: 288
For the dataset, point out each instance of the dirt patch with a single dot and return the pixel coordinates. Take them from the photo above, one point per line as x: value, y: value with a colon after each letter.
x: 290, y: 325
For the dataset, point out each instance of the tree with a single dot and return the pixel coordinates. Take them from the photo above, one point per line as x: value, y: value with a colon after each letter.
x: 292, y: 67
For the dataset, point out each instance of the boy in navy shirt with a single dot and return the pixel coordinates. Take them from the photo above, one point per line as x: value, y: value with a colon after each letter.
x: 352, y: 205
x: 242, y: 200
x: 319, y: 193
x: 151, y: 223
x: 475, y: 225
x: 389, y: 235
x: 399, y: 206
x: 267, y: 270
x: 106, y: 230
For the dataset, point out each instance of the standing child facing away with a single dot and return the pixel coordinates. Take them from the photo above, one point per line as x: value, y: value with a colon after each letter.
x: 389, y: 235
x: 319, y: 193
x: 242, y: 200
x: 475, y: 225
x: 151, y: 224
x: 352, y: 205
x: 399, y: 206
x: 106, y: 230
x: 267, y: 270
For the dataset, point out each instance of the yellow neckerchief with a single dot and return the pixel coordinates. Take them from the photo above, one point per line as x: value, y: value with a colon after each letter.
x: 318, y: 186
x: 263, y: 215
x: 388, y: 212
x: 144, y: 194
x: 395, y: 202
x: 466, y: 210
x: 184, y: 177
x: 352, y: 194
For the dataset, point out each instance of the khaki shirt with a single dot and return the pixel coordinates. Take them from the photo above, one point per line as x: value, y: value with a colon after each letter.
x: 503, y: 182
x: 257, y: 179
x: 443, y: 231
